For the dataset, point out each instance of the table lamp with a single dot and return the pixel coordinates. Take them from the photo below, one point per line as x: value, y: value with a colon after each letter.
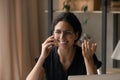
x: 116, y: 52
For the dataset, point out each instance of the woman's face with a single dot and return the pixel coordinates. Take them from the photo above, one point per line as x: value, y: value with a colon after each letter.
x: 64, y: 35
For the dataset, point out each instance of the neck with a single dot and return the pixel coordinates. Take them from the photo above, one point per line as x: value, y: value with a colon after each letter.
x: 66, y: 57
x: 66, y: 54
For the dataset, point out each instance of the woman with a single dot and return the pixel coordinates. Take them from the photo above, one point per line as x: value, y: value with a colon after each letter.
x: 60, y: 56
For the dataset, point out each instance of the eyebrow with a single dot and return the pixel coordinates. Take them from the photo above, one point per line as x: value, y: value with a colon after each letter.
x: 64, y: 30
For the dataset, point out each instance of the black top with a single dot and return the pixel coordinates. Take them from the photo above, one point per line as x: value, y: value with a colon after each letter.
x: 54, y: 70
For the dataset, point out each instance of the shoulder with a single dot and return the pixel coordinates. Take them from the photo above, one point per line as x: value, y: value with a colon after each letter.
x: 78, y: 48
x: 51, y: 58
x: 78, y: 52
x: 52, y: 53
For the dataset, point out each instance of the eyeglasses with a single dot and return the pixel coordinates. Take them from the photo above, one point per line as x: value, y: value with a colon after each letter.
x: 67, y: 33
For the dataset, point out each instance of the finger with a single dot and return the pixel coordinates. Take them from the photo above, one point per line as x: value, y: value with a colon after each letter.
x: 83, y: 49
x: 94, y: 46
x: 56, y: 42
x: 88, y: 45
x: 49, y: 45
x: 49, y: 39
x: 85, y: 43
x: 83, y: 46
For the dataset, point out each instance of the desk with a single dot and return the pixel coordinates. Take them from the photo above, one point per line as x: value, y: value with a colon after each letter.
x: 115, y: 76
x: 113, y: 70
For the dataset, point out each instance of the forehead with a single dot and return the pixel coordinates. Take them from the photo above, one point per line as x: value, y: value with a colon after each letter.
x: 63, y: 25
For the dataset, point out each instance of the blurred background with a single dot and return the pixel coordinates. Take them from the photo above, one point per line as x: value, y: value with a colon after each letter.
x: 24, y: 26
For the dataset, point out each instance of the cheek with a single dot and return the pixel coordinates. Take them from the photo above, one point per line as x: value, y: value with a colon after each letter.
x: 72, y: 39
x: 56, y: 37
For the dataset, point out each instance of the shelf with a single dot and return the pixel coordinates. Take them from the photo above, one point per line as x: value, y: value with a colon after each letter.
x: 115, y: 12
x: 59, y: 11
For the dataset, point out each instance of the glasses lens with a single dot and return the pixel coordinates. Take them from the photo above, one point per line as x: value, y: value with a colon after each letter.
x: 64, y: 32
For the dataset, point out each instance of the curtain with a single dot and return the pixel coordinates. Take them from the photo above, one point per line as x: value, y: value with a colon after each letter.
x: 19, y: 37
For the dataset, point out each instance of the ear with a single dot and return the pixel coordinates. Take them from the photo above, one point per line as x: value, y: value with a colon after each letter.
x: 76, y: 36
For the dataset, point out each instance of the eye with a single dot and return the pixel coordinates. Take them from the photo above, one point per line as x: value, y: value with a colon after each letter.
x: 57, y: 32
x: 68, y: 32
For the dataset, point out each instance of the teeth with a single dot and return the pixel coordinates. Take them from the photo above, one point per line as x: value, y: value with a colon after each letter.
x: 63, y: 42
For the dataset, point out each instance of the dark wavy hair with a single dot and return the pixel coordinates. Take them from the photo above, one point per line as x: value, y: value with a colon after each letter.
x: 70, y: 18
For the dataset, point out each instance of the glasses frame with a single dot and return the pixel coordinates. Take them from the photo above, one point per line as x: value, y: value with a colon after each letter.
x: 67, y: 33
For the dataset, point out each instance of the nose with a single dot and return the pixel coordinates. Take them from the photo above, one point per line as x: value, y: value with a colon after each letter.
x: 62, y: 35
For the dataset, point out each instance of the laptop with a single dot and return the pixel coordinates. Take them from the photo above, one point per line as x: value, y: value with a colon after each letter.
x: 115, y: 76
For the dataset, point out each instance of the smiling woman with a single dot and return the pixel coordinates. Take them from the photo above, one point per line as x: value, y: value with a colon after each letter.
x: 66, y: 58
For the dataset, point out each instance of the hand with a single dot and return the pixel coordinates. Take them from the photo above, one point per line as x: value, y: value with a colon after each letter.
x: 47, y: 46
x: 88, y: 49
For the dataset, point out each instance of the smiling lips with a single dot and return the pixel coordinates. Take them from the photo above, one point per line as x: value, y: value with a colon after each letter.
x: 63, y: 42
x: 60, y: 42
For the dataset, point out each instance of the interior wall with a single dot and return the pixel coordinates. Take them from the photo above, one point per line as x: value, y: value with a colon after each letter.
x: 94, y: 29
x: 118, y: 62
x: 109, y: 40
x: 118, y: 27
